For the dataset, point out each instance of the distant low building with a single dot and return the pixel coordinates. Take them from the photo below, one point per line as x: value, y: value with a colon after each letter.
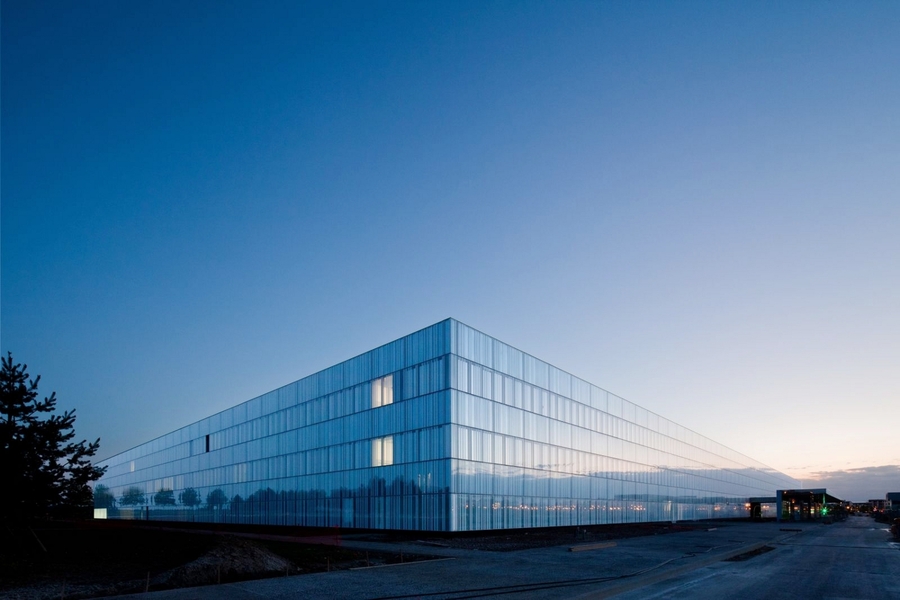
x: 446, y: 429
x: 892, y: 501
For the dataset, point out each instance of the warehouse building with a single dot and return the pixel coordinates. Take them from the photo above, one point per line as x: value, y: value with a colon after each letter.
x: 445, y: 429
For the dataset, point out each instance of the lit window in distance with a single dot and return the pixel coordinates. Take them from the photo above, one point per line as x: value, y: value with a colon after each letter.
x: 383, y: 451
x: 383, y: 391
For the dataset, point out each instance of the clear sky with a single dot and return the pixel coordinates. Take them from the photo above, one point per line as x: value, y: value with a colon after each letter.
x: 693, y: 205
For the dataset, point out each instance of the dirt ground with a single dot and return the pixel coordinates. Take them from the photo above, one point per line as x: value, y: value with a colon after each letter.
x: 91, y: 559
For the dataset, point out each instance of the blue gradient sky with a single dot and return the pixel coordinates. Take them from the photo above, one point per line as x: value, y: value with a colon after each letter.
x: 693, y: 205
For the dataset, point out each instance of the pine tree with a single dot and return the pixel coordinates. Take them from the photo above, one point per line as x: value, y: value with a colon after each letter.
x: 43, y: 470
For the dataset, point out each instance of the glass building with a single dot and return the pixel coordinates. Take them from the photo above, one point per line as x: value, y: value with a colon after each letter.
x: 446, y: 429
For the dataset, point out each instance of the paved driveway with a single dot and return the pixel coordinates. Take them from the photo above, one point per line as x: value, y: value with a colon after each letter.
x: 856, y: 558
x: 633, y: 568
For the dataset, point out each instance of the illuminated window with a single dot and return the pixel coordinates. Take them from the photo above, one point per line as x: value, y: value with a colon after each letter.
x: 383, y: 451
x: 383, y: 391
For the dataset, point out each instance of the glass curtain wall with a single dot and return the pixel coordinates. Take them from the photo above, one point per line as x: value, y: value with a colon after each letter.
x: 446, y: 429
x: 362, y: 444
x: 533, y: 446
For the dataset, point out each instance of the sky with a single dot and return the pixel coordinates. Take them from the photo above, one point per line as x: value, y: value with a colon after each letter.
x: 693, y: 205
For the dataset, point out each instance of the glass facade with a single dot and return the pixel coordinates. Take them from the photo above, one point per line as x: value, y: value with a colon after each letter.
x: 446, y: 429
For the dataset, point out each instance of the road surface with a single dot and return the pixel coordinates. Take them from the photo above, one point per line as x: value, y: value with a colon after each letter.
x: 856, y: 558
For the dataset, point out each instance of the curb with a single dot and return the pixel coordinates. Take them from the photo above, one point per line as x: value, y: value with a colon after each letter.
x: 414, y: 562
x: 597, y: 546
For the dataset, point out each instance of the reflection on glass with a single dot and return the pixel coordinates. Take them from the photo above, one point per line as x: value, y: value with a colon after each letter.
x: 478, y: 435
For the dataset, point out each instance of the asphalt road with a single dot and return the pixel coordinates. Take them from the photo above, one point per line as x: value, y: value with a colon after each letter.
x: 856, y: 558
x: 851, y: 559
